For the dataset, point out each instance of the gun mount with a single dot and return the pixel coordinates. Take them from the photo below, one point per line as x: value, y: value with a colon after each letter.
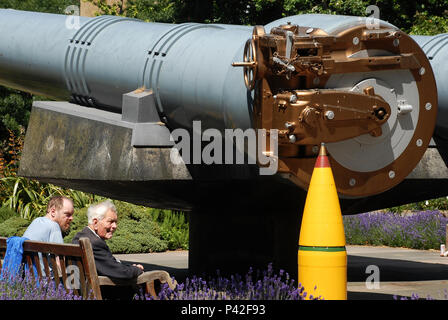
x: 294, y: 67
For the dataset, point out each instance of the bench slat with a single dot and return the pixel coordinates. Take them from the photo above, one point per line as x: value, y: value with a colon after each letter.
x: 90, y: 267
x: 54, y: 248
x: 54, y: 268
x: 64, y: 271
x: 82, y: 277
x: 29, y: 262
x: 46, y: 264
x: 46, y: 247
x: 37, y: 264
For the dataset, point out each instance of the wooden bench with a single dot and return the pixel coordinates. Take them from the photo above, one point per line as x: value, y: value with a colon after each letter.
x: 80, y: 258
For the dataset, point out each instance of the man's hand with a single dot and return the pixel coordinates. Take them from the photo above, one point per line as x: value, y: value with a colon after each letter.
x: 138, y: 266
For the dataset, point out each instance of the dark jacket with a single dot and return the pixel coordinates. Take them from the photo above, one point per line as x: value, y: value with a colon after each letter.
x: 106, y: 264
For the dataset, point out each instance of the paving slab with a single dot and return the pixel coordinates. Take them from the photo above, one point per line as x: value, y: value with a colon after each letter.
x: 174, y: 262
x: 401, y: 272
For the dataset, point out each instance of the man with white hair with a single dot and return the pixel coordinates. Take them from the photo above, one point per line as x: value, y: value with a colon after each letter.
x: 102, y: 223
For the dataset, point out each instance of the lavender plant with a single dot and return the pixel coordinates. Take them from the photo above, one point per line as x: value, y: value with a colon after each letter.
x: 264, y: 285
x: 24, y: 286
x: 419, y: 230
x: 415, y: 296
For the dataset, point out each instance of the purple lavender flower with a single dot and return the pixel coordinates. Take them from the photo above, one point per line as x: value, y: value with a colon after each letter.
x: 418, y: 230
x: 264, y: 285
x: 24, y: 286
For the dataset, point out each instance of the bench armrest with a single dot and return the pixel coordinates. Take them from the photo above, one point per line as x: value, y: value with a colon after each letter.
x: 147, y: 278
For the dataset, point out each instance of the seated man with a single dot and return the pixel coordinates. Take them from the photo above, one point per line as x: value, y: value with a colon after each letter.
x: 49, y: 227
x: 102, y: 223
x: 58, y: 218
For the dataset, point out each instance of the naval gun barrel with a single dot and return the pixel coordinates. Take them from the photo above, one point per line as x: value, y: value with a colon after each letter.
x: 436, y: 49
x: 369, y: 93
x: 187, y: 65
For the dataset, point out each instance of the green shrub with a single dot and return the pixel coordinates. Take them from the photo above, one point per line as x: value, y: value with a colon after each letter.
x: 79, y: 222
x: 134, y: 236
x: 177, y: 228
x: 127, y: 210
x: 27, y: 197
x: 6, y: 213
x: 426, y: 24
x: 174, y: 228
x: 14, y: 226
x: 80, y: 199
x: 136, y: 232
x: 431, y: 204
x: 177, y: 239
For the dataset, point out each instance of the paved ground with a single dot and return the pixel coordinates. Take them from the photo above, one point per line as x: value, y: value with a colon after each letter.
x: 175, y: 262
x: 401, y: 272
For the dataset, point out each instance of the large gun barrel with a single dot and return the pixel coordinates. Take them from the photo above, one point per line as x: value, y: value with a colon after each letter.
x: 187, y: 65
x: 368, y: 91
x: 436, y: 49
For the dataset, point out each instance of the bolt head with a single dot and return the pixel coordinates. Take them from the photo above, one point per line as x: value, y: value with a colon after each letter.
x: 288, y: 125
x: 419, y: 142
x: 391, y: 174
x: 292, y: 138
x: 329, y: 115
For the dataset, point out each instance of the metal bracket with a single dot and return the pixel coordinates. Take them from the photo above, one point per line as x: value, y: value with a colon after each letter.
x: 139, y: 108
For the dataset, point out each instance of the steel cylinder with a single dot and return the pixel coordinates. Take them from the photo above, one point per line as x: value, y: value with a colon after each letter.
x: 436, y: 49
x: 187, y: 65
